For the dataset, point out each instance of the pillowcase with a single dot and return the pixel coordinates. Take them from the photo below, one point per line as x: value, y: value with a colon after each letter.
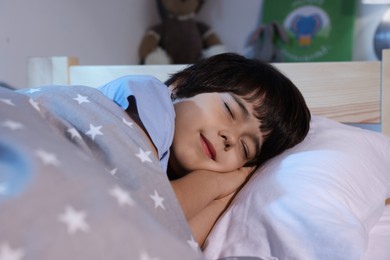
x: 378, y: 244
x: 317, y: 200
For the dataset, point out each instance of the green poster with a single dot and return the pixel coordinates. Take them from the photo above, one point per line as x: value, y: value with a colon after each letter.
x: 318, y: 30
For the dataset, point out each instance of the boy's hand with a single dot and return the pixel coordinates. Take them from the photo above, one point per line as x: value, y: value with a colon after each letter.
x: 231, y: 182
x: 196, y: 190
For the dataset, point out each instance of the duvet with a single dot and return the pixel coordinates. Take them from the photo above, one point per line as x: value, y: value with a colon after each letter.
x: 78, y: 181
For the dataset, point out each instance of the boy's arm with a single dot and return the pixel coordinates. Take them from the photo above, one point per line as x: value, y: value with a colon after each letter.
x: 202, y: 223
x: 198, y: 189
x: 195, y: 191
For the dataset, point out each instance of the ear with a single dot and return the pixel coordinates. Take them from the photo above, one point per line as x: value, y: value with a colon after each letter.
x: 172, y: 89
x: 281, y: 32
x: 255, y: 35
x: 200, y: 4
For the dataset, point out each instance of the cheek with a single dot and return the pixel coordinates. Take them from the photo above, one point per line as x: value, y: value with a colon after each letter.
x: 198, y: 106
x: 231, y: 161
x: 186, y: 115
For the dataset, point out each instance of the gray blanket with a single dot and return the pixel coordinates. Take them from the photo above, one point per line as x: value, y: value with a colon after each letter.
x: 78, y: 181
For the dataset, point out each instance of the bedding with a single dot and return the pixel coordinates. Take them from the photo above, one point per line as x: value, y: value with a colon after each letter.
x: 379, y: 237
x: 318, y: 200
x: 77, y: 181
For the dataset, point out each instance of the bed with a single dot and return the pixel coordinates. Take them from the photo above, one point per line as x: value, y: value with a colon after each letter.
x: 77, y: 180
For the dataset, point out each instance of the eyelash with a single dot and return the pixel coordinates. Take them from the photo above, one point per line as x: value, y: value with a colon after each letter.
x: 245, y: 149
x: 228, y: 109
x: 244, y: 146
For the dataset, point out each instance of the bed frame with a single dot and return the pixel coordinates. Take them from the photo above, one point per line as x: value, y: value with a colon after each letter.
x: 349, y: 92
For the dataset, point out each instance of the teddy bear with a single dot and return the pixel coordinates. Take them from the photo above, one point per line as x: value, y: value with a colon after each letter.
x: 179, y: 38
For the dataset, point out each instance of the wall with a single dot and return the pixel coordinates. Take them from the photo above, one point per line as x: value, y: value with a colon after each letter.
x: 109, y: 32
x: 232, y: 20
x: 96, y: 31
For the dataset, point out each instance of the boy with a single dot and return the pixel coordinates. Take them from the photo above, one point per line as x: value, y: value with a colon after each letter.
x: 231, y: 114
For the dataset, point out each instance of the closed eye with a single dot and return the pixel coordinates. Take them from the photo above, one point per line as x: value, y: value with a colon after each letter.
x: 229, y: 109
x: 245, y: 150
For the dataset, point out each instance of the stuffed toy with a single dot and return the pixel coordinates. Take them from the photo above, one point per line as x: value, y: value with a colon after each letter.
x: 179, y: 38
x: 263, y: 41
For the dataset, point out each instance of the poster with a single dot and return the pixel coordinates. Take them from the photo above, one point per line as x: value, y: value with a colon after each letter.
x: 317, y: 30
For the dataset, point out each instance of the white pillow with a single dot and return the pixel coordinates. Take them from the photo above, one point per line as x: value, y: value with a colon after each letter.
x: 379, y: 237
x: 317, y: 200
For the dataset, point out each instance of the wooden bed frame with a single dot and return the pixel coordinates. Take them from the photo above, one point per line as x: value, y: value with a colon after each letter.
x: 348, y: 92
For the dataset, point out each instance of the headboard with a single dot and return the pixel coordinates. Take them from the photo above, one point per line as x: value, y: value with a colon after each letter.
x: 349, y: 92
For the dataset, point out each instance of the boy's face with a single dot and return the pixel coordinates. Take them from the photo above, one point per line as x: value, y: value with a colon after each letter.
x: 214, y: 131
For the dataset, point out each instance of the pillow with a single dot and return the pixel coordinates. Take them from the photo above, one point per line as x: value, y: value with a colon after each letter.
x: 317, y: 200
x: 379, y: 237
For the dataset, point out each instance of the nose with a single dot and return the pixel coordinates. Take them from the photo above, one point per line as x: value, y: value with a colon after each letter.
x: 229, y: 139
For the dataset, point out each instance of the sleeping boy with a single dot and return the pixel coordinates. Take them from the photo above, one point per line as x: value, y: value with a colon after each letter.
x: 218, y: 120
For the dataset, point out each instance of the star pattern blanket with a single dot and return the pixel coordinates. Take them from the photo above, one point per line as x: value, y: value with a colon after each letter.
x: 78, y: 181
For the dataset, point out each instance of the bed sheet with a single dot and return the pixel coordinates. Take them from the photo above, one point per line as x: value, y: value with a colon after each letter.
x: 379, y: 238
x: 78, y: 181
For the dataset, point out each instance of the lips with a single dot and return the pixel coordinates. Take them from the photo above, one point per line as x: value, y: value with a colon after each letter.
x: 208, y: 147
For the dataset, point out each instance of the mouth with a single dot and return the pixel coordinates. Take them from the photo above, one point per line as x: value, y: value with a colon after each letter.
x: 208, y: 147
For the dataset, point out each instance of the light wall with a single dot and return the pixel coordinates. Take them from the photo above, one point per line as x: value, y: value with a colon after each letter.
x: 96, y: 31
x: 109, y: 32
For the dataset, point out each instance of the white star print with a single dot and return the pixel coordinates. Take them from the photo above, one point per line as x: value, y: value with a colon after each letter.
x: 13, y: 125
x: 158, y: 201
x: 47, y: 158
x: 113, y: 171
x: 34, y: 104
x: 145, y: 256
x: 143, y: 156
x: 94, y: 131
x: 7, y: 253
x: 33, y: 90
x: 3, y: 188
x: 81, y: 99
x: 7, y: 101
x: 193, y: 244
x: 73, y: 133
x: 128, y: 123
x: 75, y: 220
x: 122, y: 196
